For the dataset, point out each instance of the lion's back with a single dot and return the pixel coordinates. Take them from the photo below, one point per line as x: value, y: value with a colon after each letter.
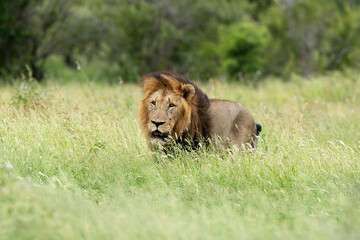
x: 231, y: 122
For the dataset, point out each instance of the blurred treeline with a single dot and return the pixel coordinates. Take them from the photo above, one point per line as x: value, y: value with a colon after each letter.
x: 203, y: 38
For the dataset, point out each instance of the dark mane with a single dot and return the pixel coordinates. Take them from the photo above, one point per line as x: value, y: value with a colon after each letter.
x: 200, y: 104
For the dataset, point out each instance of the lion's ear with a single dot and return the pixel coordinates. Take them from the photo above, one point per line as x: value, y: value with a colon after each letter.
x: 188, y: 91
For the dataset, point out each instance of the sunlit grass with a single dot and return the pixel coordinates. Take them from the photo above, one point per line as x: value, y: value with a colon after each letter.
x: 74, y: 165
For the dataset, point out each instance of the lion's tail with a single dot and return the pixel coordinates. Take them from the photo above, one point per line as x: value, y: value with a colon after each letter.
x: 258, y: 129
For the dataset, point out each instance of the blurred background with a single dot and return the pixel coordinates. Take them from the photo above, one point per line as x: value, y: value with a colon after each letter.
x: 112, y: 41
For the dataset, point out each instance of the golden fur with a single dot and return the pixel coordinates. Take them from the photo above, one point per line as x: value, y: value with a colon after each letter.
x: 174, y: 110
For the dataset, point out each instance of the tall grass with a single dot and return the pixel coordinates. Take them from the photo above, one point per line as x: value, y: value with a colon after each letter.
x: 74, y: 165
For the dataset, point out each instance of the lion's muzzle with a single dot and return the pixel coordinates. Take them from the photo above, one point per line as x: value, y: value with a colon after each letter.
x: 158, y: 135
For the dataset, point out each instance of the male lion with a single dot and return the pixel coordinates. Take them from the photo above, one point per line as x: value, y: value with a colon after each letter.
x: 175, y: 110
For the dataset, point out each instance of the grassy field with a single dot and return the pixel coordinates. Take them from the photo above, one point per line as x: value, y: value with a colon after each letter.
x: 74, y: 165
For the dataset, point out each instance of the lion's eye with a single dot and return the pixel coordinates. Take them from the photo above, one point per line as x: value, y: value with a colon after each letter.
x: 172, y: 105
x: 153, y: 103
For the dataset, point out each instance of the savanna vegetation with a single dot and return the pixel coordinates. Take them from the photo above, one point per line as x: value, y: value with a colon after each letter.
x: 74, y: 165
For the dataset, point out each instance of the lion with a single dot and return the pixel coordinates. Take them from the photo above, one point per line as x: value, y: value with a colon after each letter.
x: 175, y: 111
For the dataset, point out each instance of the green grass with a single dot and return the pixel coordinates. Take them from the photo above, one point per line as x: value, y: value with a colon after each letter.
x: 74, y: 165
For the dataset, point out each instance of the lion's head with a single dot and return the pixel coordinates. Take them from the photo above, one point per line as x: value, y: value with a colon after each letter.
x: 172, y: 110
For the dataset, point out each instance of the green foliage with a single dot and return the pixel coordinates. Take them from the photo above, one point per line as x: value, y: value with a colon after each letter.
x: 26, y: 30
x: 342, y: 50
x: 243, y: 48
x: 261, y: 6
x: 308, y: 36
x: 148, y: 36
x: 206, y: 38
x: 13, y: 35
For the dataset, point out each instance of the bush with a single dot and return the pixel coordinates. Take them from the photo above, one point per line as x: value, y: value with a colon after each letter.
x: 242, y: 47
x: 198, y: 38
x: 26, y: 27
x: 311, y: 36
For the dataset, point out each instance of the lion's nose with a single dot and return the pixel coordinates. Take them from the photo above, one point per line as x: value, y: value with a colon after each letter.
x: 157, y: 124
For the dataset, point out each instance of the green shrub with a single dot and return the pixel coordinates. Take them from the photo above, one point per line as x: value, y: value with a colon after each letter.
x: 26, y: 34
x: 242, y: 47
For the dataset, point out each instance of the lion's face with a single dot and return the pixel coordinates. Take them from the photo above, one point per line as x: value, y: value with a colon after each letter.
x: 165, y: 111
x: 165, y: 108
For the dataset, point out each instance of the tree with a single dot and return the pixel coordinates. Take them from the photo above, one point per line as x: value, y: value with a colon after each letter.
x: 25, y: 29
